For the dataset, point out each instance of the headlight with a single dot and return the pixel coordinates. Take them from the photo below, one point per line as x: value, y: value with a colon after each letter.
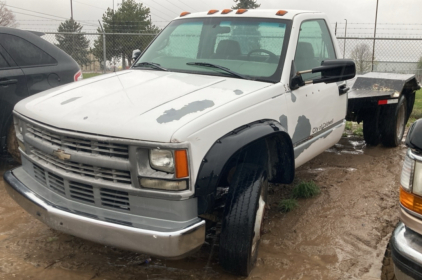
x: 417, y: 179
x: 167, y: 185
x: 406, y: 178
x: 411, y: 184
x: 162, y: 160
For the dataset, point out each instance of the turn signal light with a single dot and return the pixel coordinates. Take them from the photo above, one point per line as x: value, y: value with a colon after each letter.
x: 210, y: 12
x: 241, y: 11
x: 281, y: 13
x: 226, y: 11
x: 181, y: 159
x: 184, y: 14
x: 411, y: 201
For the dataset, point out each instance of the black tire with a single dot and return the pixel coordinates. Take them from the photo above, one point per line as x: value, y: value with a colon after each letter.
x: 394, y: 120
x: 371, y: 132
x: 242, y: 220
x: 12, y: 144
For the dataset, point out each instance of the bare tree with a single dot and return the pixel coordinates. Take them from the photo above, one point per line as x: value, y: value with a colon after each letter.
x: 7, y: 18
x: 362, y: 56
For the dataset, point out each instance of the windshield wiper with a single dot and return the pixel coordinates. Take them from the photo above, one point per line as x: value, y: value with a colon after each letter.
x: 152, y: 64
x: 206, y: 64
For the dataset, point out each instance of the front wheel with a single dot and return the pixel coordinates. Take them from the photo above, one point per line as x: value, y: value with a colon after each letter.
x: 243, y: 219
x: 394, y: 123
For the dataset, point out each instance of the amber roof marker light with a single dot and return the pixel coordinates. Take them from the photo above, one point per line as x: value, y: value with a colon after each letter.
x: 184, y: 14
x: 241, y: 11
x: 226, y: 11
x: 210, y: 12
x: 281, y: 13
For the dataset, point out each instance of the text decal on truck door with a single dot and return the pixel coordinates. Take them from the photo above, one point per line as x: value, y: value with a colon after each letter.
x: 322, y: 126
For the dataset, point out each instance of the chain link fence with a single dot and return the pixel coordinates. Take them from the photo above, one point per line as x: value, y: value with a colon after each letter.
x: 392, y: 55
x: 90, y: 50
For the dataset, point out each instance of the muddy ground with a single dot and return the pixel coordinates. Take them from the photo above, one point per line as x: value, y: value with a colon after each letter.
x: 340, y: 234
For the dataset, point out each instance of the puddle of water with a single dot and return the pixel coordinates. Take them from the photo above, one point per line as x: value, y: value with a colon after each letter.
x: 351, y: 145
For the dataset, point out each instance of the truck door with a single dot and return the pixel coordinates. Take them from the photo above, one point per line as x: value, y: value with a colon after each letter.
x: 314, y: 109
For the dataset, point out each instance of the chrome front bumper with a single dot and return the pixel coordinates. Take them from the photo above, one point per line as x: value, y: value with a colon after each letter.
x: 170, y: 245
x: 406, y: 251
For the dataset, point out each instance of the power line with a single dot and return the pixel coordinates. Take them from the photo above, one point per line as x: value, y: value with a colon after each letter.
x: 36, y: 16
x: 89, y: 5
x: 188, y: 6
x: 175, y: 5
x: 163, y: 6
x: 40, y: 13
x: 34, y: 11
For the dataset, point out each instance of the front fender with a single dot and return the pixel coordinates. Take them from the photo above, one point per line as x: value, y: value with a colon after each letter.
x: 280, y: 157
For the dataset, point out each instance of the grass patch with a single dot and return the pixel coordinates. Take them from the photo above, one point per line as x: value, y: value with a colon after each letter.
x: 418, y: 101
x: 90, y: 75
x: 353, y: 128
x: 349, y: 126
x: 358, y: 131
x: 287, y: 205
x: 306, y: 190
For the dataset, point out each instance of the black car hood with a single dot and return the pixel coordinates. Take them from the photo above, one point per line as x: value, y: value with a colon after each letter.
x: 414, y: 136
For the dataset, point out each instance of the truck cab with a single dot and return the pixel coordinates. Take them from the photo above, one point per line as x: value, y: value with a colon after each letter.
x: 218, y: 106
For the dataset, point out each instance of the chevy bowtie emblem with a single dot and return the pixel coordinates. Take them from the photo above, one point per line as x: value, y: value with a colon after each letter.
x: 61, y: 155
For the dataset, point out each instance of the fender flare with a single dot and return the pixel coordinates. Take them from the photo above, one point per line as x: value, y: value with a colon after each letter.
x: 281, y: 158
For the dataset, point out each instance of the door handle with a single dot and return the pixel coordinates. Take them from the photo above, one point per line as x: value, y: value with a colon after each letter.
x: 8, y: 82
x: 342, y: 89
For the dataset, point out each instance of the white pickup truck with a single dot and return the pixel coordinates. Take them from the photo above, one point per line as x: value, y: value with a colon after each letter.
x: 218, y: 105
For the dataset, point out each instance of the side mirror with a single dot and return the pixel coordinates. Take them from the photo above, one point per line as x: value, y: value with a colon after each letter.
x: 135, y: 54
x: 335, y: 70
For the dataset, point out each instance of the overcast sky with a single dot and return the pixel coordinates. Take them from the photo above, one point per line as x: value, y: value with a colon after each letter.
x: 355, y: 11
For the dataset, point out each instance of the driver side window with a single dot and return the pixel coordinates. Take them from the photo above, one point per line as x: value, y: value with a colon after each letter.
x: 314, y: 46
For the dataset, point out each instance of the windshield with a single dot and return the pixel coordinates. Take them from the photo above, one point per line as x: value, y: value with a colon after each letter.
x: 249, y: 47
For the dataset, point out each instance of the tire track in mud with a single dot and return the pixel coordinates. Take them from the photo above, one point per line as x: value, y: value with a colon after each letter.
x: 340, y: 234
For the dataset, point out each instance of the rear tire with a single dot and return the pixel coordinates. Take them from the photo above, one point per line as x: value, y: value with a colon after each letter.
x: 371, y: 132
x: 12, y: 144
x: 243, y: 219
x: 394, y: 123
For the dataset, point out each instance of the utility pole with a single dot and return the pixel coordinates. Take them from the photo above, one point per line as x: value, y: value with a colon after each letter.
x: 71, y: 10
x: 375, y: 34
x: 344, y: 45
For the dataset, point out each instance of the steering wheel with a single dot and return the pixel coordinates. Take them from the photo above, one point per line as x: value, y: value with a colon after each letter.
x: 271, y: 57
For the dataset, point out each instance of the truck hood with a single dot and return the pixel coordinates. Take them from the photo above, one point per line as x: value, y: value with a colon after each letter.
x: 135, y: 104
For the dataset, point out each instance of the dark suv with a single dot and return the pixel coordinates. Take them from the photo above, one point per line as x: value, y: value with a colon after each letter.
x: 28, y: 65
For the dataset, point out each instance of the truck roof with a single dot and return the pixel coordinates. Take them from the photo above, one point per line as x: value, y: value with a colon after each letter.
x: 258, y: 13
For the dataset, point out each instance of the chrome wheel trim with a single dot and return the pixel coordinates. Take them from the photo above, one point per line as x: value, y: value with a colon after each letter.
x: 259, y: 218
x: 400, y: 121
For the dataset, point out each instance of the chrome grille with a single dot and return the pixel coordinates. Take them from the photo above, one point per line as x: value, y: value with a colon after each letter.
x: 115, y: 199
x: 40, y: 175
x: 84, y: 193
x: 81, y: 191
x: 55, y: 183
x: 84, y: 170
x: 78, y: 144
